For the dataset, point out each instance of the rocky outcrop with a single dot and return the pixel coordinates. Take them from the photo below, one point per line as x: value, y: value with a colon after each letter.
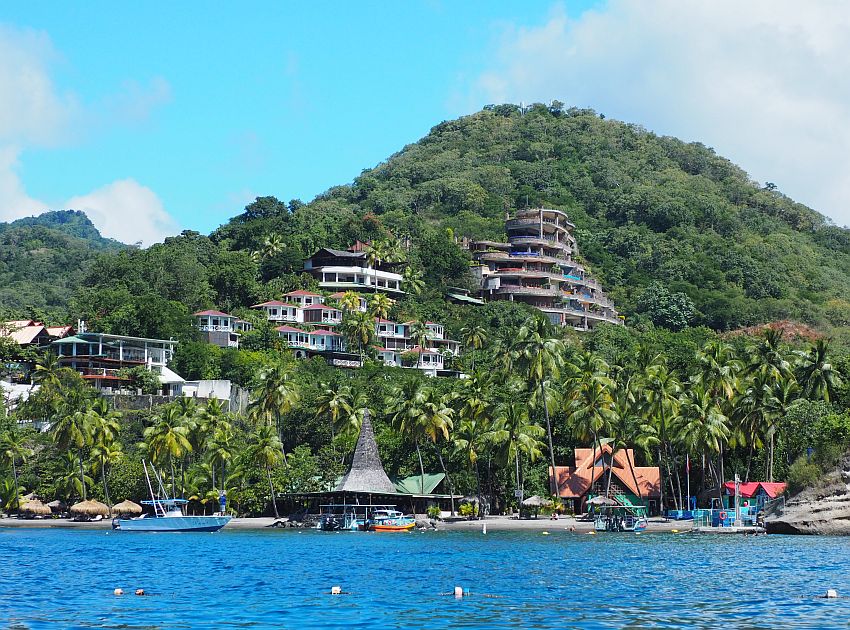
x: 823, y: 509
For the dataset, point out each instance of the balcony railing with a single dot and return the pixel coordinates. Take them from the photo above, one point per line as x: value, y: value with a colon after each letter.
x: 522, y: 290
x: 219, y: 328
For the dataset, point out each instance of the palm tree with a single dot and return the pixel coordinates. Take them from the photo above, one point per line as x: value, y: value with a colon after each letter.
x: 13, y: 449
x: 702, y: 427
x: 473, y: 337
x: 265, y: 449
x: 333, y: 403
x: 272, y: 245
x: 590, y: 411
x: 72, y: 429
x: 71, y: 481
x: 405, y: 407
x: 349, y: 301
x: 106, y: 449
x: 359, y: 330
x: 539, y: 355
x: 816, y: 374
x: 628, y: 428
x: 436, y: 424
x: 412, y: 279
x: 168, y: 438
x: 380, y: 305
x: 419, y: 337
x: 514, y: 429
x: 275, y: 396
x: 661, y: 395
x: 47, y: 370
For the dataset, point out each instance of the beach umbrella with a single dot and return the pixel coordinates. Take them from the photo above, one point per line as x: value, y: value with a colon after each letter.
x: 56, y: 506
x: 127, y: 507
x: 90, y: 508
x: 600, y: 500
x: 35, y: 507
x: 536, y: 502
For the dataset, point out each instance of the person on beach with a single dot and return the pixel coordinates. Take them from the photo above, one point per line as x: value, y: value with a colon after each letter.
x: 222, y: 500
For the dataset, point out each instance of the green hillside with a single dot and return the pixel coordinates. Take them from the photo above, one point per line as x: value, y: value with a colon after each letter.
x: 44, y: 259
x: 660, y: 222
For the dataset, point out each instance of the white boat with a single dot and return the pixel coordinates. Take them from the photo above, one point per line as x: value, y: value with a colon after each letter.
x: 619, y: 518
x: 168, y: 515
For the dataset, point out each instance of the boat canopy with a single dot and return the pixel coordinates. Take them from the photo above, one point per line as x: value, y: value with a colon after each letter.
x: 166, y: 502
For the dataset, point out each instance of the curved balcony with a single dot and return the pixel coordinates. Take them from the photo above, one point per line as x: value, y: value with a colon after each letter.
x: 549, y: 225
x: 548, y: 214
x: 540, y: 242
x: 511, y: 272
x: 521, y: 290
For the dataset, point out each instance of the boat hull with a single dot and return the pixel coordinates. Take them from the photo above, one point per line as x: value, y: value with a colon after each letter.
x: 393, y: 528
x: 172, y: 524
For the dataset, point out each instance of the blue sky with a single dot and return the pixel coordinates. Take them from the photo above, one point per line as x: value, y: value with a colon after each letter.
x: 161, y: 116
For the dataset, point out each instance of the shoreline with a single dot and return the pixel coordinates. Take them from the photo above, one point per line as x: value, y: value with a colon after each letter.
x: 493, y: 523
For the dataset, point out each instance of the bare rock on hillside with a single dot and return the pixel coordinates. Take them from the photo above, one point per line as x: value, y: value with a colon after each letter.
x: 823, y: 509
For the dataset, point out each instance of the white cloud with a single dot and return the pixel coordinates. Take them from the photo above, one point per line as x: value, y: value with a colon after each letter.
x: 33, y: 114
x: 127, y: 211
x: 764, y: 82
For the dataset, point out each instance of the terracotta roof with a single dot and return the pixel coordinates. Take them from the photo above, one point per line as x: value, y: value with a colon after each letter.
x: 25, y: 335
x: 289, y: 329
x: 381, y: 320
x: 274, y: 303
x: 576, y: 481
x: 325, y: 307
x: 751, y: 488
x: 420, y: 350
x: 19, y: 323
x: 59, y: 331
x: 302, y: 292
x: 212, y: 312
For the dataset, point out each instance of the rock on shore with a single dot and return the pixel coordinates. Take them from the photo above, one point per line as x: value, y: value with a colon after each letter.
x: 823, y: 509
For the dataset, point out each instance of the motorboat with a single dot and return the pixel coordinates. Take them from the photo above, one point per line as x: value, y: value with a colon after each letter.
x: 619, y: 518
x: 390, y: 520
x: 168, y: 515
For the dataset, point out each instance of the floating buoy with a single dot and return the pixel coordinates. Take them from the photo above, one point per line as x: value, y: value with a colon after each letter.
x: 831, y: 594
x: 459, y: 592
x: 140, y: 591
x: 336, y: 590
x: 545, y: 533
x: 592, y: 533
x: 674, y: 531
x: 118, y: 591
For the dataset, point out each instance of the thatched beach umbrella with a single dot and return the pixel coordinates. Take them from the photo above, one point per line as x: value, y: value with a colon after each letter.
x: 57, y: 505
x: 600, y: 500
x: 34, y: 507
x: 90, y: 508
x: 127, y: 507
x: 536, y: 502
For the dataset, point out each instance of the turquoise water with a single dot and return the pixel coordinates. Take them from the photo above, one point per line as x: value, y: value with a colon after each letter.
x: 279, y: 579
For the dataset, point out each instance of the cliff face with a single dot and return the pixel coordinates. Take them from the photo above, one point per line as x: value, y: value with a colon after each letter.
x: 824, y: 509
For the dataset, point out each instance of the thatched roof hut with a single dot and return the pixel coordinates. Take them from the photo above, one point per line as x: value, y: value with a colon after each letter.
x: 601, y: 500
x: 127, y: 507
x: 90, y: 508
x: 57, y: 505
x: 366, y: 473
x: 536, y: 501
x: 34, y: 507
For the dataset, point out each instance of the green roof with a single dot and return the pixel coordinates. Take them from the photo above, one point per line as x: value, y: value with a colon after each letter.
x: 415, y: 484
x: 73, y: 339
x: 464, y: 298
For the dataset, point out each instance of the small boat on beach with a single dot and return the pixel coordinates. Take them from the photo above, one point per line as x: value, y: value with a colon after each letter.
x: 361, y: 518
x: 168, y: 516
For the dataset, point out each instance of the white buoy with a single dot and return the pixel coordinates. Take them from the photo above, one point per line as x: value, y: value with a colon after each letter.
x: 831, y: 593
x: 545, y: 533
x: 336, y: 590
x: 140, y: 591
x: 459, y: 592
x: 118, y: 591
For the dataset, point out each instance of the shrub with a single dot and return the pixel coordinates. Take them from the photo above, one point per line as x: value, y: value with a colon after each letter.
x: 802, y: 474
x: 434, y: 511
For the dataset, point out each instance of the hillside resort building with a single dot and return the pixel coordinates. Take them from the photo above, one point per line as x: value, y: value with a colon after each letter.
x: 537, y: 266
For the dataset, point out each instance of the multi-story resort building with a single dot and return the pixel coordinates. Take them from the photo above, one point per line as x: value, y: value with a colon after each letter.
x: 536, y: 266
x: 338, y: 270
x: 221, y: 329
x: 99, y: 358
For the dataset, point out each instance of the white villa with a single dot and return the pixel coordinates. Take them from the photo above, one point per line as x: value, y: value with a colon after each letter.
x: 221, y: 329
x: 338, y: 270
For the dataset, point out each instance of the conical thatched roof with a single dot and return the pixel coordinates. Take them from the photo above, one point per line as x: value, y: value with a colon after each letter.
x: 536, y: 501
x: 127, y: 507
x: 90, y: 508
x: 56, y: 505
x: 366, y: 473
x: 34, y: 506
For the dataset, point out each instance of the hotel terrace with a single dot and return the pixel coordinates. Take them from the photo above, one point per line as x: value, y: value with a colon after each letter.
x: 338, y: 270
x: 536, y: 266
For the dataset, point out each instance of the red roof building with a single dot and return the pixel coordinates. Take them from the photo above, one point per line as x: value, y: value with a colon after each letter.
x: 590, y: 477
x: 752, y: 489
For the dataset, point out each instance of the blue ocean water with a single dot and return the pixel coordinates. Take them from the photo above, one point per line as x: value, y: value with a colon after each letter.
x: 281, y: 579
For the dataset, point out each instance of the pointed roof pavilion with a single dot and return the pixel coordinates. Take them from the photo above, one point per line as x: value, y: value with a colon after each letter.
x: 366, y: 473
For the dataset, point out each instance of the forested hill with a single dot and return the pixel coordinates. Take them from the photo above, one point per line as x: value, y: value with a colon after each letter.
x: 43, y: 259
x: 668, y: 227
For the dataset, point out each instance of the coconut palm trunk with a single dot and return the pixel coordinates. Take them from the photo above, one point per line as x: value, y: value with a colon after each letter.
x: 17, y: 491
x: 271, y: 489
x: 421, y: 469
x: 446, y: 473
x: 553, y: 483
x: 105, y: 486
x: 82, y: 475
